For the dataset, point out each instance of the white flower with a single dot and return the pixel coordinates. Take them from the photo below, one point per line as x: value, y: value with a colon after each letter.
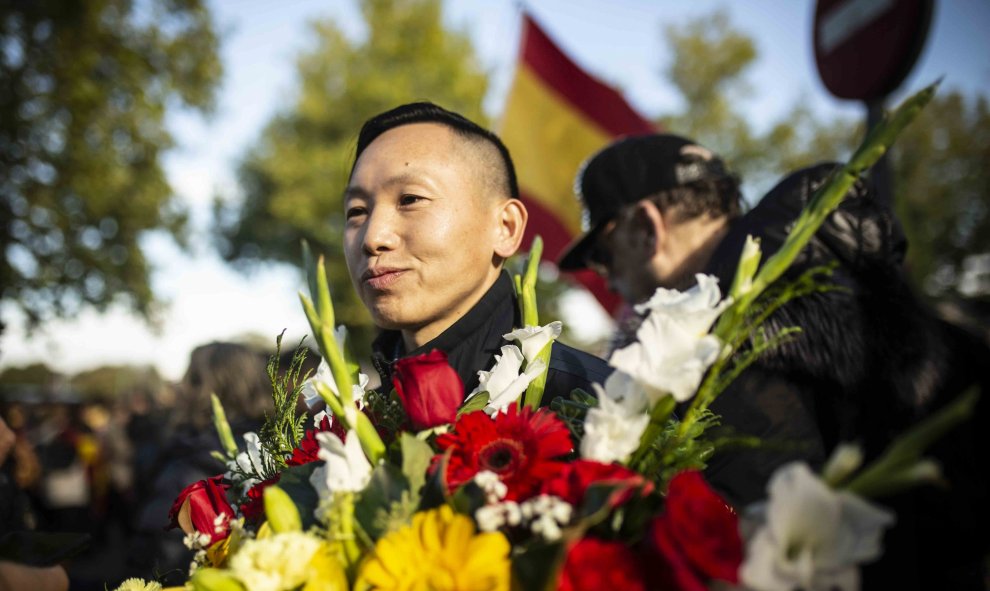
x: 493, y: 487
x: 532, y: 339
x: 673, y: 348
x: 813, y: 537
x: 612, y: 429
x: 346, y: 469
x: 504, y: 383
x: 274, y: 563
x: 323, y: 374
x: 252, y: 462
x: 546, y: 514
x: 696, y: 309
x: 493, y: 517
x: 666, y: 358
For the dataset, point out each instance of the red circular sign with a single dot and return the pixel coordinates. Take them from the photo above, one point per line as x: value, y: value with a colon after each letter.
x: 865, y: 48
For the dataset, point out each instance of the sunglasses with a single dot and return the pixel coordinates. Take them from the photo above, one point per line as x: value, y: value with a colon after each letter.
x: 599, y: 256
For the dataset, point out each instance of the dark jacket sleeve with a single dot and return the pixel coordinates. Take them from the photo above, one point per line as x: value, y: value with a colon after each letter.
x: 571, y: 369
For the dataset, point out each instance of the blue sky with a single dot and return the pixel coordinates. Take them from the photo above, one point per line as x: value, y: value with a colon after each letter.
x: 619, y: 41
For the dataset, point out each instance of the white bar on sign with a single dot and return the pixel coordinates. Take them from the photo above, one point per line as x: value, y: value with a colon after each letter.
x: 847, y: 18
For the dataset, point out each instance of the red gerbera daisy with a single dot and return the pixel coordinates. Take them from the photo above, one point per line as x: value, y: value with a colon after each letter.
x: 519, y: 446
x: 309, y: 447
x: 254, y: 505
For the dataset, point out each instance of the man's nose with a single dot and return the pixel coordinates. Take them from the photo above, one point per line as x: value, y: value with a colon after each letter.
x: 380, y: 232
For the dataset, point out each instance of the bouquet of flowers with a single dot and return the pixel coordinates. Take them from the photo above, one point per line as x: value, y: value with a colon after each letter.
x: 419, y: 485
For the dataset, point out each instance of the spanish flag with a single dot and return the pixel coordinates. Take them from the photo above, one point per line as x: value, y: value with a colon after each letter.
x: 555, y: 117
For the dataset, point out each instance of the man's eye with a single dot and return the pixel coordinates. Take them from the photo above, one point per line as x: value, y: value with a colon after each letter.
x: 354, y: 212
x: 410, y: 199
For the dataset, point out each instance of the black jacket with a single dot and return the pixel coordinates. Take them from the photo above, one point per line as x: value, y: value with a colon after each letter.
x: 472, y: 342
x: 871, y: 360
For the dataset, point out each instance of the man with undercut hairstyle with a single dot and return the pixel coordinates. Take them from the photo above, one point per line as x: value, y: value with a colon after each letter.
x: 432, y: 212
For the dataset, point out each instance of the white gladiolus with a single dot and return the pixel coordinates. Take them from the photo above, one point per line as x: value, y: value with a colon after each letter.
x: 696, y: 309
x: 612, y: 430
x: 345, y: 468
x: 673, y: 348
x: 532, y: 339
x: 251, y: 461
x: 504, y: 383
x: 814, y: 537
x: 323, y: 374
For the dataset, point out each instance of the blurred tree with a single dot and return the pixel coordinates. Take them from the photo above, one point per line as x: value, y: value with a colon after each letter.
x: 942, y: 184
x: 709, y: 62
x: 294, y: 177
x: 84, y: 89
x: 38, y: 374
x: 942, y: 188
x: 107, y: 383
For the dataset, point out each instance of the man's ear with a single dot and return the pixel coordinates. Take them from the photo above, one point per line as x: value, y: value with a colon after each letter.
x: 648, y: 229
x: 511, y: 216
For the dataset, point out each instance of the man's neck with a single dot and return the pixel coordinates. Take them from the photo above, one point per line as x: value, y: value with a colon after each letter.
x: 694, y: 242
x: 414, y: 338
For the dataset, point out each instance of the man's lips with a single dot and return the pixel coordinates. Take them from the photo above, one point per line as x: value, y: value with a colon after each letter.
x: 381, y: 277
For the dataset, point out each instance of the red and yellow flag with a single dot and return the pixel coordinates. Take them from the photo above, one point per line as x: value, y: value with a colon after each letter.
x: 556, y: 116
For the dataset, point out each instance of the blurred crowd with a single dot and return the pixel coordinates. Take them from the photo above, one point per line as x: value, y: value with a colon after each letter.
x: 111, y: 469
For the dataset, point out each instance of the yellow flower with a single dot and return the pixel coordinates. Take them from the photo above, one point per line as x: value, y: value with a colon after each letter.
x: 284, y: 561
x: 438, y: 551
x: 139, y: 585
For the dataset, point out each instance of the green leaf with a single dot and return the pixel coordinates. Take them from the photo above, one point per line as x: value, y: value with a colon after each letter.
x: 537, y: 565
x: 385, y: 488
x: 477, y: 402
x: 435, y: 490
x: 898, y: 467
x: 467, y: 499
x: 416, y: 458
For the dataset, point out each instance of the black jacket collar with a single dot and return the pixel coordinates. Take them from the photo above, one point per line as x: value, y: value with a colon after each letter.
x: 471, y: 343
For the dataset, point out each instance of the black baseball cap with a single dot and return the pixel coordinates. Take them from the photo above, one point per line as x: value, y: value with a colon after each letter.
x: 629, y: 170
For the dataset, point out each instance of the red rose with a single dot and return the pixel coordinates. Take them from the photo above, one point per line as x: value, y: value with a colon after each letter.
x: 696, y: 537
x: 519, y: 446
x: 197, y: 507
x: 430, y: 390
x: 254, y: 507
x: 575, y: 478
x: 593, y: 565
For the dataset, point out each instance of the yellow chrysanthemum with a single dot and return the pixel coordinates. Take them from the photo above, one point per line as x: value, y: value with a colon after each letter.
x: 285, y: 561
x: 438, y: 551
x: 139, y: 585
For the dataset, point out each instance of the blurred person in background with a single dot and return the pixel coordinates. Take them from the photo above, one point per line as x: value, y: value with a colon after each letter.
x: 14, y: 575
x: 237, y: 375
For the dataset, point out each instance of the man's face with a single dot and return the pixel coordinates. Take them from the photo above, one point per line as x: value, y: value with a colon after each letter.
x: 621, y: 259
x: 419, y: 235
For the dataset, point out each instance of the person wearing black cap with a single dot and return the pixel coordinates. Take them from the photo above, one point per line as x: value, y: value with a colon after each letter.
x: 870, y: 359
x: 432, y: 213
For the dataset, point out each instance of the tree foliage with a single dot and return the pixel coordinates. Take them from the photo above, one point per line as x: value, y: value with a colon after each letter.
x: 942, y: 188
x: 293, y: 179
x: 941, y: 181
x: 709, y: 62
x: 84, y: 89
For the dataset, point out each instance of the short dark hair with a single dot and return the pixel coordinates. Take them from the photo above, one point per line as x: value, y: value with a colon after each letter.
x: 719, y: 197
x: 427, y: 112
